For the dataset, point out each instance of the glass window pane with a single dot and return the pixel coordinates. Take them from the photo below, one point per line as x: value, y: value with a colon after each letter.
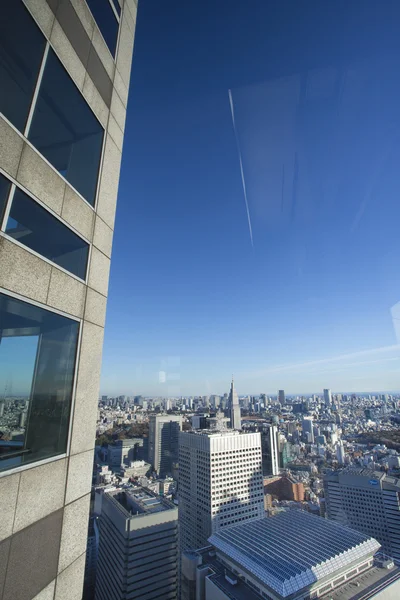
x: 65, y: 130
x: 106, y: 22
x: 37, y: 360
x: 5, y: 185
x: 117, y: 6
x: 36, y: 228
x: 21, y: 50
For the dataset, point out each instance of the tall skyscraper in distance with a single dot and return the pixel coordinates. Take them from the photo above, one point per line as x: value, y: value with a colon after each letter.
x: 328, y: 397
x: 234, y: 407
x: 308, y: 431
x: 163, y: 442
x: 138, y: 547
x: 368, y: 501
x: 64, y: 91
x: 281, y: 397
x: 340, y: 453
x: 220, y: 482
x: 270, y: 449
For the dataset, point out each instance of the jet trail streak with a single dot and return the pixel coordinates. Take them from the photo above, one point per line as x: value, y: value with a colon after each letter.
x: 241, y: 167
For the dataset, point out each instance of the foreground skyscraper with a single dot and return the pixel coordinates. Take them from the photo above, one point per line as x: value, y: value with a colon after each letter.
x: 138, y: 547
x: 64, y: 79
x: 220, y: 482
x: 368, y: 501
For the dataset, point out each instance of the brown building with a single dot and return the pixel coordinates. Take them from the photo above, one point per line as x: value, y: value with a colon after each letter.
x: 284, y: 488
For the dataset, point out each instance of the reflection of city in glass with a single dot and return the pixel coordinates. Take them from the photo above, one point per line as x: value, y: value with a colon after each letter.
x: 37, y: 358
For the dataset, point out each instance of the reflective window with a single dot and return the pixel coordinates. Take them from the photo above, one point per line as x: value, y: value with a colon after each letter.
x: 37, y: 229
x: 106, y: 22
x: 117, y: 6
x: 65, y: 130
x: 37, y: 359
x: 20, y: 59
x: 4, y: 189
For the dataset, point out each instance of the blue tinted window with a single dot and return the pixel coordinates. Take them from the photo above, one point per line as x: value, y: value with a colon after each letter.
x: 65, y: 130
x: 106, y: 22
x: 37, y: 360
x: 5, y: 185
x: 37, y: 229
x: 117, y: 6
x: 21, y: 51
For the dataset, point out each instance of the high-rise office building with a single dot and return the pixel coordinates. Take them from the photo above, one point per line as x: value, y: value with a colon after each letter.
x: 64, y: 80
x: 220, y: 482
x: 340, y: 453
x: 163, y: 442
x: 234, y: 408
x: 281, y: 397
x: 368, y: 501
x: 308, y: 431
x: 328, y: 397
x: 89, y: 580
x: 138, y: 547
x: 270, y: 449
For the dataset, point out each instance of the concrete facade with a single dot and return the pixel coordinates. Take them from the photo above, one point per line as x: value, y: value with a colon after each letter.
x: 220, y: 482
x: 44, y: 507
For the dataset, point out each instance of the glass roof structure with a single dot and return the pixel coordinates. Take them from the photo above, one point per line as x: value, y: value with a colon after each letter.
x: 292, y: 550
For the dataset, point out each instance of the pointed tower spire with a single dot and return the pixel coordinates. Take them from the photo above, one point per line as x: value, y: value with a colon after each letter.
x: 234, y: 407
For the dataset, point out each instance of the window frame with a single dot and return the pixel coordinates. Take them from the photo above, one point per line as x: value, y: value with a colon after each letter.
x: 119, y: 21
x: 31, y: 465
x: 25, y: 133
x: 3, y: 224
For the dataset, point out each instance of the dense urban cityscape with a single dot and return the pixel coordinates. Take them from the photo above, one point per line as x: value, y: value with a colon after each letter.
x: 286, y: 458
x: 257, y: 226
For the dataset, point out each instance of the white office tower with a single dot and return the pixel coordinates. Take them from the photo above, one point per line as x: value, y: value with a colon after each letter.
x: 163, y: 442
x: 368, y: 501
x: 220, y: 482
x: 270, y: 449
x: 308, y: 431
x: 328, y: 397
x: 138, y: 547
x: 340, y: 454
x: 234, y: 407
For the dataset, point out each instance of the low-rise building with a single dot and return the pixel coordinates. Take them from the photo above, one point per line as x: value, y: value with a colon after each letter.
x: 294, y: 556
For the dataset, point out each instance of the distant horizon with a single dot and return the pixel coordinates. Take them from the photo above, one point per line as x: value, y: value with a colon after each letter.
x: 269, y: 394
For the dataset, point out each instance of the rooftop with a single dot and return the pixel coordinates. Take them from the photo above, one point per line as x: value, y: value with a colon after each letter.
x: 138, y: 501
x: 272, y: 549
x: 240, y: 591
x: 369, y: 583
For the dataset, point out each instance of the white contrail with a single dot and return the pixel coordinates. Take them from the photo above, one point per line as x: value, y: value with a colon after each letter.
x: 241, y: 167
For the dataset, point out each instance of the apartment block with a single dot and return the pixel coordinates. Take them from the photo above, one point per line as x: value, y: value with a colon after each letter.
x: 64, y: 80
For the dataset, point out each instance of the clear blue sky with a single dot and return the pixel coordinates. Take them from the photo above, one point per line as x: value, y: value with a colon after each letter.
x: 316, y: 93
